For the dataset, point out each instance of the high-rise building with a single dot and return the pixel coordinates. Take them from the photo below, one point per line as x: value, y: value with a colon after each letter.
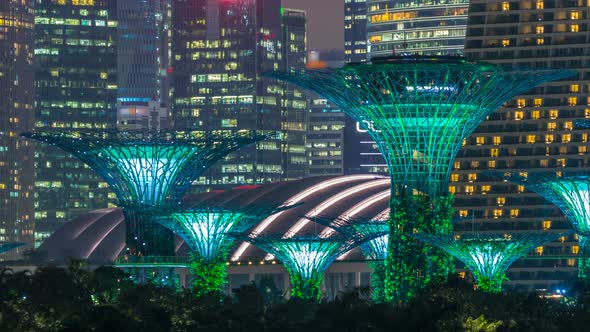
x: 433, y: 27
x: 532, y: 132
x: 17, y: 99
x: 355, y: 30
x: 76, y: 88
x: 325, y: 139
x: 220, y: 51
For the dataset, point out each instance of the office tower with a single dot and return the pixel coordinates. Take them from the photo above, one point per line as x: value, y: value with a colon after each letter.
x: 325, y: 139
x: 76, y: 87
x: 16, y: 115
x: 143, y: 63
x: 355, y: 30
x: 294, y: 103
x: 220, y: 51
x: 534, y: 131
x: 433, y: 27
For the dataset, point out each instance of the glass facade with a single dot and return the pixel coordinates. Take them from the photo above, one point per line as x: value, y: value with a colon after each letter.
x: 72, y: 92
x: 16, y: 116
x: 429, y: 27
x: 355, y: 30
x: 532, y: 132
x: 325, y: 139
x: 220, y: 50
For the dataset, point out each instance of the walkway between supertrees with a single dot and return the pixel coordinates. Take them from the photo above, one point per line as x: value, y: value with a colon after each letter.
x: 204, y: 229
x: 375, y: 250
x: 306, y: 257
x: 418, y: 110
x: 7, y: 246
x: 488, y: 256
x: 146, y: 170
x: 570, y: 192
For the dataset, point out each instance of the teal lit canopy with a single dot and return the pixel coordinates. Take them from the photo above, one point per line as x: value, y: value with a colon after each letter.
x: 419, y: 109
x: 148, y: 168
x: 488, y: 256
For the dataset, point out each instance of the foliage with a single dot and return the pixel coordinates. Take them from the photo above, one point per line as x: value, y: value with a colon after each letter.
x: 480, y: 324
x: 209, y: 276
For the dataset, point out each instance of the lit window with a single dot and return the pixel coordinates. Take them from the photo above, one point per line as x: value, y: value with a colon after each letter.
x: 479, y: 140
x: 569, y: 125
x: 505, y: 5
x: 514, y: 213
x: 561, y: 162
x: 540, y: 29
x: 554, y: 114
x: 494, y: 152
x: 549, y: 138
x: 501, y: 201
x: 469, y: 190
x: 485, y: 188
x: 497, y: 213
x: 497, y: 140
x: 531, y: 139
x: 518, y: 115
x: 566, y: 138
x: 463, y: 213
x: 452, y: 189
x: 520, y: 103
x: 457, y: 165
x: 571, y: 262
x: 540, y: 4
x: 546, y: 224
x: 520, y: 188
x: 582, y: 149
x: 104, y: 75
x: 574, y: 15
x: 492, y: 164
x: 575, y: 250
x: 539, y: 250
x: 461, y: 275
x: 551, y: 126
x: 538, y: 102
x: 475, y: 164
x: 572, y: 101
x: 505, y: 42
x: 454, y: 177
x: 535, y: 115
x: 574, y: 88
x: 472, y: 177
x: 587, y: 113
x: 540, y: 41
x: 574, y: 28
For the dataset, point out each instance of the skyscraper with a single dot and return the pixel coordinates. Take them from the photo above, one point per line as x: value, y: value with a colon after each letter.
x: 220, y: 51
x: 435, y: 27
x: 355, y: 30
x: 143, y: 63
x: 16, y: 115
x: 534, y: 131
x: 76, y: 88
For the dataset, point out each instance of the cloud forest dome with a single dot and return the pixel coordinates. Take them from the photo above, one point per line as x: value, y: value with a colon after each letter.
x: 148, y: 168
x: 419, y: 109
x: 488, y: 256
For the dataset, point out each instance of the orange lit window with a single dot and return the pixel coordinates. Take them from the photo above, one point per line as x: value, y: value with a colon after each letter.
x: 587, y: 113
x: 452, y: 189
x: 575, y: 250
x: 479, y: 140
x: 574, y: 88
x: 485, y: 188
x: 574, y: 28
x: 554, y: 114
x: 518, y: 115
x: 539, y: 250
x: 475, y: 164
x: 471, y: 177
x: 571, y: 262
x: 497, y: 140
x: 549, y: 138
x: 505, y: 5
x: 531, y: 139
x: 582, y: 149
x: 535, y: 115
x: 546, y: 224
x: 551, y: 126
x: 461, y: 275
x: 454, y: 177
x: 498, y: 213
x: 566, y: 138
x: 520, y: 103
x: 540, y: 29
x: 520, y: 188
x: 569, y: 125
x: 538, y: 102
x: 469, y: 189
x: 561, y: 162
x: 494, y: 152
x: 463, y: 213
x: 540, y: 41
x: 457, y: 165
x: 575, y: 15
x: 501, y: 201
x: 492, y: 164
x: 514, y: 213
x: 572, y: 101
x: 540, y: 4
x: 505, y: 42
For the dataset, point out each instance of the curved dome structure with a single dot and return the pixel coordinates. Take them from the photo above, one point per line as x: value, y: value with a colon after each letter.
x: 99, y: 235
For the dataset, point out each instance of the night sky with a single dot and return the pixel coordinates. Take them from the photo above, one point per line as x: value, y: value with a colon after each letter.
x: 325, y: 22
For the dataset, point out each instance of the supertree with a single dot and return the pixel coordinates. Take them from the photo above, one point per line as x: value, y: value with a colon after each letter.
x: 306, y: 257
x: 375, y: 249
x: 488, y: 256
x: 147, y: 170
x: 7, y: 246
x: 418, y: 110
x: 570, y: 192
x: 204, y: 230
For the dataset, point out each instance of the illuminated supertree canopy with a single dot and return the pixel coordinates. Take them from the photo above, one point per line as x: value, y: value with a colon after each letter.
x: 147, y: 169
x: 205, y: 231
x: 488, y: 256
x: 570, y: 192
x: 418, y: 110
x: 306, y: 257
x: 7, y: 246
x: 375, y: 249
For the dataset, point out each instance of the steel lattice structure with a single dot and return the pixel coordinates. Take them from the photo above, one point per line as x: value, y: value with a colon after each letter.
x: 419, y: 110
x: 488, y: 256
x: 306, y: 257
x: 7, y: 246
x: 570, y: 192
x: 147, y: 169
x: 374, y: 249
